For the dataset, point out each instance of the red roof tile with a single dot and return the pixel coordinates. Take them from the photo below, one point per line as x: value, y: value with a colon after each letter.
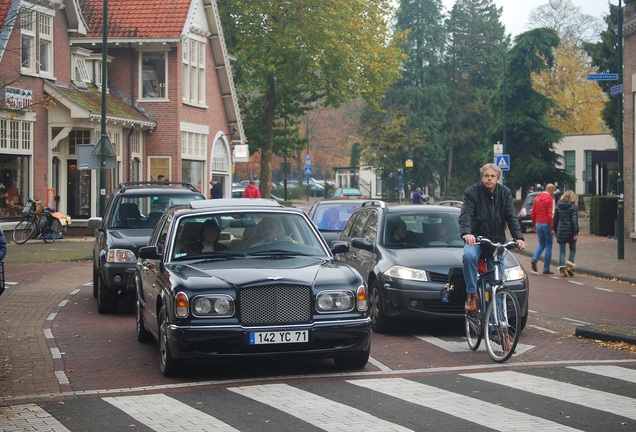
x: 137, y: 18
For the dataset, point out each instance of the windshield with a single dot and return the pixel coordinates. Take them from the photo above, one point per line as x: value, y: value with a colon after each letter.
x: 422, y: 230
x: 232, y: 235
x: 144, y: 211
x: 334, y: 217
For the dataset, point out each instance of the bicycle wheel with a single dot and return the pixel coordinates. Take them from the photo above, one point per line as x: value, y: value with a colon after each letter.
x: 23, y: 230
x: 51, y: 230
x: 473, y: 327
x: 502, y: 325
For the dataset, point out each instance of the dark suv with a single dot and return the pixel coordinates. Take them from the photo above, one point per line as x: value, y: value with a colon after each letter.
x: 129, y: 218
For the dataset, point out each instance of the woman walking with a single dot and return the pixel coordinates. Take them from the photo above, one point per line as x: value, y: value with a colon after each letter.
x: 566, y: 226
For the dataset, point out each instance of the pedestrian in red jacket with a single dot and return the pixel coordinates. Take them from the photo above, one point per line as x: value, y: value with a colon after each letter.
x: 251, y: 191
x: 541, y: 214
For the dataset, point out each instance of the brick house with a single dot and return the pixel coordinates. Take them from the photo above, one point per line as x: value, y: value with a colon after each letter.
x: 629, y: 139
x: 171, y: 104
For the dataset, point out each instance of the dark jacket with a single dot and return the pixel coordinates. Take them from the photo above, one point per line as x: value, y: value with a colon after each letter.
x: 486, y: 214
x: 3, y: 245
x: 566, y: 221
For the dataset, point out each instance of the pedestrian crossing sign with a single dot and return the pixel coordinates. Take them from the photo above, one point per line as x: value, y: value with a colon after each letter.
x: 503, y: 162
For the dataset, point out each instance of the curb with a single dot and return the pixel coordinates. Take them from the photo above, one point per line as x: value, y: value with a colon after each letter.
x: 608, y: 333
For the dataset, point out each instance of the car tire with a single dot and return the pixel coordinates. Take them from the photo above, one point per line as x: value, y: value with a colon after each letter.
x: 143, y: 335
x: 354, y: 361
x: 167, y: 364
x: 106, y: 299
x: 379, y: 321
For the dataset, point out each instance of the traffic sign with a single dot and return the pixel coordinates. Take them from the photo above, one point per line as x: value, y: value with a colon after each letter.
x: 307, y: 171
x: 602, y: 77
x: 503, y: 162
x: 616, y: 90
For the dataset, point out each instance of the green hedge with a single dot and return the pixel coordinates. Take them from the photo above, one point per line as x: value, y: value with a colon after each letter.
x: 603, y: 215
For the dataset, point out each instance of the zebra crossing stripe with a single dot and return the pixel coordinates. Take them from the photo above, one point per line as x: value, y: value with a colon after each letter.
x: 28, y: 417
x: 457, y: 405
x: 162, y: 413
x: 332, y: 416
x: 617, y: 372
x: 596, y: 399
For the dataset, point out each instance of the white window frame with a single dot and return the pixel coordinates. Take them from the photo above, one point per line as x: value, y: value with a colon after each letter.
x: 17, y: 135
x: 161, y: 89
x: 193, y: 60
x: 45, y: 35
x: 37, y: 27
x: 27, y: 32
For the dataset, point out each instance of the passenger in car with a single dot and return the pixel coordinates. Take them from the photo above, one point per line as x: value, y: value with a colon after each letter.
x: 268, y: 230
x: 209, y: 241
x: 400, y: 234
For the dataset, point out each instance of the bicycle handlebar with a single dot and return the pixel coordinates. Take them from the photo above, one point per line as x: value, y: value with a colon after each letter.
x: 508, y: 245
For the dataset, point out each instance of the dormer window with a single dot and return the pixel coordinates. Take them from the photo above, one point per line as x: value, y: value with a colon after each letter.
x: 153, y: 77
x: 78, y: 63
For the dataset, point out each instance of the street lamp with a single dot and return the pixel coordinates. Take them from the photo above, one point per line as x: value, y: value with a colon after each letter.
x: 466, y: 74
x: 620, y: 212
x: 408, y: 163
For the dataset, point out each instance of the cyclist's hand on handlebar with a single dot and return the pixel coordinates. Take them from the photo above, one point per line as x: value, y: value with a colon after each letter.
x: 470, y: 239
x: 521, y: 244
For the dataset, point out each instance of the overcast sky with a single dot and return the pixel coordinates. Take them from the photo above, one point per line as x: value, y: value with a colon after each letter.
x: 516, y: 12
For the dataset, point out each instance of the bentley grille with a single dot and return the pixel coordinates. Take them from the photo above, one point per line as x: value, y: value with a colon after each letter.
x: 275, y: 304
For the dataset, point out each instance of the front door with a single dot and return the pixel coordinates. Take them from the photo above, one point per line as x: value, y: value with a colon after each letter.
x: 78, y: 191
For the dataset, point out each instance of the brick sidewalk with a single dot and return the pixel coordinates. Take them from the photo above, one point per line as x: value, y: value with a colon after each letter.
x: 28, y: 309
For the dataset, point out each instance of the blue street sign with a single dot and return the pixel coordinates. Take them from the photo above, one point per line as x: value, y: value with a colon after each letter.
x: 616, y: 90
x: 307, y: 171
x: 602, y: 77
x: 503, y: 162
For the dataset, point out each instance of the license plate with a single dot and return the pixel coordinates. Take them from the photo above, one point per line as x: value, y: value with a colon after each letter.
x: 279, y: 337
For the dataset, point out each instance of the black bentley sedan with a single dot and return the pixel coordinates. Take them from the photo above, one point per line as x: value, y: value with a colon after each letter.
x: 231, y: 278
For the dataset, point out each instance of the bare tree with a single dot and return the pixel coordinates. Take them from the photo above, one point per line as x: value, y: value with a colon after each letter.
x: 572, y: 26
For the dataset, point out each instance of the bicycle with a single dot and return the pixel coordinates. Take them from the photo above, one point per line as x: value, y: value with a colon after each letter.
x: 499, y: 321
x: 36, y: 219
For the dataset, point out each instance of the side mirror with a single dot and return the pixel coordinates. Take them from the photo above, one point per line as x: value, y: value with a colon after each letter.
x: 149, y: 252
x: 338, y: 247
x: 95, y: 222
x: 362, y: 243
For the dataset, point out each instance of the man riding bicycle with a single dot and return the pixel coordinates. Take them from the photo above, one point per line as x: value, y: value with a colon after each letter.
x: 486, y: 210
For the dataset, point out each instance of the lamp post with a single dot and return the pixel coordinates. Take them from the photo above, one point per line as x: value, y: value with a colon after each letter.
x: 408, y: 163
x: 466, y: 74
x: 620, y: 212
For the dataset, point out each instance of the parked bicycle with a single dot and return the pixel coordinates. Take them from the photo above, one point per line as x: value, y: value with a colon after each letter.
x: 37, y: 222
x: 499, y: 321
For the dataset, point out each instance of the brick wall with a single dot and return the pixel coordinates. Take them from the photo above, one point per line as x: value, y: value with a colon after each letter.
x: 629, y: 69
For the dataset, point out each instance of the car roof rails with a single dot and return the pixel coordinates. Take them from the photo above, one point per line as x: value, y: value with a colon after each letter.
x: 374, y: 203
x: 158, y: 183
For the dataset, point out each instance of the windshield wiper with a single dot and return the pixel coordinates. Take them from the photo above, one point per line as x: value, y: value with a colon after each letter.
x: 280, y: 252
x: 216, y: 256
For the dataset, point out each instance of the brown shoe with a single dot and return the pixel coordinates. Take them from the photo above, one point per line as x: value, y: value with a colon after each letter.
x: 570, y: 267
x: 563, y: 271
x: 548, y: 272
x: 534, y: 266
x: 471, y: 303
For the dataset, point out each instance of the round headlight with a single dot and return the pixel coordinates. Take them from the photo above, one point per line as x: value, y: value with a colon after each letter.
x: 203, y: 306
x: 325, y: 303
x: 222, y: 306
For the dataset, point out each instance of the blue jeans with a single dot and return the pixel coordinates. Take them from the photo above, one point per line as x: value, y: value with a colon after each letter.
x: 469, y: 265
x: 545, y: 242
x: 562, y: 252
